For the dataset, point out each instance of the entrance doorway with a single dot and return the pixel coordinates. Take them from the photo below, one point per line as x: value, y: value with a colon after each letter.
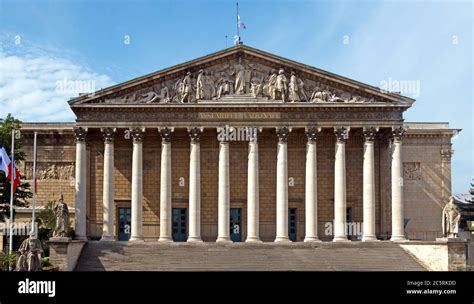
x: 236, y: 224
x: 179, y: 224
x: 292, y: 224
x: 125, y: 220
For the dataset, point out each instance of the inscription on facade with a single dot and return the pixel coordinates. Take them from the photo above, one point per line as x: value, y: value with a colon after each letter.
x: 238, y: 115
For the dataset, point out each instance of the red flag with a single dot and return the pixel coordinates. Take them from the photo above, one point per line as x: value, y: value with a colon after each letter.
x: 16, y: 177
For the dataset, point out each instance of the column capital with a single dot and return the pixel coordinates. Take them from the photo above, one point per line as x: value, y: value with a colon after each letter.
x: 398, y: 133
x: 195, y: 133
x: 282, y: 133
x: 108, y: 134
x: 165, y: 133
x: 137, y: 134
x: 370, y: 133
x: 80, y: 133
x: 446, y: 155
x: 342, y: 133
x: 312, y: 133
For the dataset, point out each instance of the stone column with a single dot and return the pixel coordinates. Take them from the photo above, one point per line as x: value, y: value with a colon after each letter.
x: 165, y: 186
x: 311, y: 192
x: 282, y: 186
x: 224, y: 194
x: 368, y: 231
x: 446, y: 155
x: 80, y: 183
x: 398, y: 219
x: 342, y: 133
x: 137, y: 184
x: 253, y: 229
x: 195, y: 186
x: 108, y: 194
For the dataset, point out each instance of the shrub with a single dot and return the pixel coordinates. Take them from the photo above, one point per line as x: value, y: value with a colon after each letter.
x: 6, y: 259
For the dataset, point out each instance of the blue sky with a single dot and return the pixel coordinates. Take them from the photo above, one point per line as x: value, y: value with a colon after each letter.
x: 428, y: 42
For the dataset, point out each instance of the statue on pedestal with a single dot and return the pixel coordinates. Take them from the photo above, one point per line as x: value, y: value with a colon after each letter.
x: 62, y: 218
x: 451, y: 219
x: 30, y: 255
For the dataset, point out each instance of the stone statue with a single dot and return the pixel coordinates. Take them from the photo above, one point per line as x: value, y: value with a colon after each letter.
x: 186, y: 89
x: 62, y: 218
x: 209, y: 86
x: 317, y: 95
x: 200, y: 83
x: 255, y: 87
x: 152, y: 96
x: 293, y: 91
x: 451, y: 219
x: 30, y: 255
x: 280, y: 89
x: 327, y: 94
x: 223, y: 86
x: 302, y: 92
x: 270, y: 84
x: 239, y: 86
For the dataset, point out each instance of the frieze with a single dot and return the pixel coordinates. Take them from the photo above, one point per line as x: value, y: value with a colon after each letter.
x: 50, y: 170
x: 412, y: 171
x: 148, y: 115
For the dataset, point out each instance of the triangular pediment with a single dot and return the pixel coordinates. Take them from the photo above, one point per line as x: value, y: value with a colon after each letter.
x: 239, y: 74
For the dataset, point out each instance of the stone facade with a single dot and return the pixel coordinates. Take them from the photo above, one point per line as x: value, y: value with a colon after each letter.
x: 423, y: 197
x: 362, y: 113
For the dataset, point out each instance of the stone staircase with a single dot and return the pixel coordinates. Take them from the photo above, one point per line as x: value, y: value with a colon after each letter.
x: 326, y: 256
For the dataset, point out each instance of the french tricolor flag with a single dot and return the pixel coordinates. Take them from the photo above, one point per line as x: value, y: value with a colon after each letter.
x: 6, y: 166
x: 240, y: 23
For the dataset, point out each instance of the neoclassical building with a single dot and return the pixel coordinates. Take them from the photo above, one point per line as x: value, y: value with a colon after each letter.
x: 243, y: 145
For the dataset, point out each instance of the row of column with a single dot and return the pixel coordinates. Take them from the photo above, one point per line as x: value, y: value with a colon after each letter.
x: 311, y: 204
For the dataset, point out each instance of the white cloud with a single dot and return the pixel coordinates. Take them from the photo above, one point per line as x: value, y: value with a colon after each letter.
x: 35, y: 86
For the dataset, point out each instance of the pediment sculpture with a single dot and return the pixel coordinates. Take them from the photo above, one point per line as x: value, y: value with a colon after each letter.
x: 238, y: 77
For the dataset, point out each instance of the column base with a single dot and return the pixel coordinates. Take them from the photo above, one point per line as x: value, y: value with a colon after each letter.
x: 340, y: 239
x: 81, y: 238
x: 312, y: 240
x: 165, y: 239
x: 136, y: 239
x: 398, y: 238
x: 107, y: 238
x: 253, y: 240
x: 369, y: 238
x: 194, y: 239
x: 223, y: 240
x: 282, y: 239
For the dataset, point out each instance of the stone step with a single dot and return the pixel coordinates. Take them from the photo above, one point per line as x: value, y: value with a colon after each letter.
x: 154, y: 256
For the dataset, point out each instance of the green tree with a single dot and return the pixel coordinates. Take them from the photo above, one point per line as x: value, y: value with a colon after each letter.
x: 46, y: 218
x: 22, y: 193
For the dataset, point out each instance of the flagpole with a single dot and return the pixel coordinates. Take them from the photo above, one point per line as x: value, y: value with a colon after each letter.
x: 12, y: 181
x: 238, y: 31
x: 33, y: 217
